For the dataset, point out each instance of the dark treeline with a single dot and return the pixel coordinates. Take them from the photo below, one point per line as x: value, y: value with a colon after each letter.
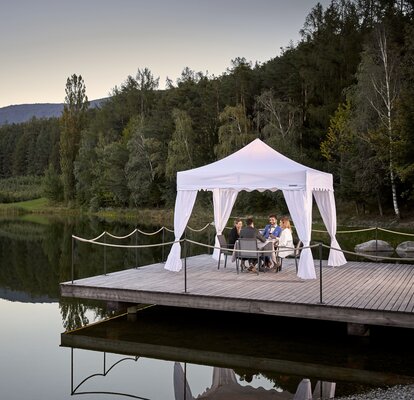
x: 340, y: 100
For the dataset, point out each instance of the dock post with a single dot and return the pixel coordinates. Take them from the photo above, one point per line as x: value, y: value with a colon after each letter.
x: 376, y: 240
x: 209, y: 238
x: 73, y: 257
x: 163, y: 241
x: 105, y: 255
x: 136, y: 248
x: 320, y: 274
x: 185, y: 265
x: 71, y: 371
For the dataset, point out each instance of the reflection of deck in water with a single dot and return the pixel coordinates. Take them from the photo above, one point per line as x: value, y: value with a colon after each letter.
x: 358, y: 292
x: 254, y: 344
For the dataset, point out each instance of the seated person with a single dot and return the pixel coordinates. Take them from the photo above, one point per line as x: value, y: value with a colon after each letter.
x: 250, y: 232
x: 234, y: 233
x: 272, y: 230
x: 285, y: 242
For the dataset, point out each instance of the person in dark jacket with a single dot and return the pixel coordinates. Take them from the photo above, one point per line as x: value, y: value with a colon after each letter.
x: 235, y: 233
x: 250, y: 232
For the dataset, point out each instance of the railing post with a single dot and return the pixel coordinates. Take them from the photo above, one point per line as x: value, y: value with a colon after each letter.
x: 71, y: 370
x: 105, y: 255
x: 209, y: 238
x: 185, y: 265
x: 73, y: 257
x: 320, y: 274
x: 136, y: 248
x: 376, y: 240
x: 163, y: 241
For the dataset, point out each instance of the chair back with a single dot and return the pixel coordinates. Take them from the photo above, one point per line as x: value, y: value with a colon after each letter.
x: 246, y: 244
x: 222, y: 241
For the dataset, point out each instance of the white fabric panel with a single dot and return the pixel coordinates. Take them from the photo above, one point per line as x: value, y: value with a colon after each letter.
x: 184, y: 204
x: 223, y: 201
x: 299, y: 203
x: 326, y: 204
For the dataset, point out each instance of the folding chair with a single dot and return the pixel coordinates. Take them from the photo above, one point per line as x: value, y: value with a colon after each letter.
x: 252, y: 252
x: 223, y: 250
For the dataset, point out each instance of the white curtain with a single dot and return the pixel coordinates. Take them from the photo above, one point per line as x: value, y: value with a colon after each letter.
x: 184, y: 204
x: 299, y: 203
x: 326, y: 204
x: 223, y: 201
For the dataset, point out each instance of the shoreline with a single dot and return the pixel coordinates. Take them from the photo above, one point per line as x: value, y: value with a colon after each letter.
x: 165, y: 216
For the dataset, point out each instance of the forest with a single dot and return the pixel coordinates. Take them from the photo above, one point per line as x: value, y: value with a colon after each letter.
x: 340, y: 100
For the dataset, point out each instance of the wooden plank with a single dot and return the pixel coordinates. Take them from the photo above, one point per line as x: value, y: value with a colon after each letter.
x: 395, y: 286
x: 372, y: 287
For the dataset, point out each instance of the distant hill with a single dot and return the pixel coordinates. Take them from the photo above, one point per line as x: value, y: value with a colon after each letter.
x: 24, y: 112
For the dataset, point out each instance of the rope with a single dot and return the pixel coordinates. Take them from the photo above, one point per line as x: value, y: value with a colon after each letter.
x: 397, y: 233
x: 198, y: 230
x: 150, y: 233
x: 353, y: 231
x: 124, y: 245
x: 168, y: 230
x: 248, y: 251
x: 121, y: 237
x: 98, y: 237
x: 367, y: 255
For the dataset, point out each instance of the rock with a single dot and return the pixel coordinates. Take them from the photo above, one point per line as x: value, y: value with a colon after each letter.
x: 373, y: 246
x: 405, y: 249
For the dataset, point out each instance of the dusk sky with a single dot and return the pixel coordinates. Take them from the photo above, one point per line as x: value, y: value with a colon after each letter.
x: 43, y: 42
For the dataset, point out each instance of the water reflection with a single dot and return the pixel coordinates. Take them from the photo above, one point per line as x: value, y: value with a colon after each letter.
x: 256, y: 357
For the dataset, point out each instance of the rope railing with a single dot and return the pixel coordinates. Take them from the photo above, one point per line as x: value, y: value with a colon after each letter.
x: 127, y: 246
x: 164, y: 228
x: 365, y: 255
x: 263, y: 252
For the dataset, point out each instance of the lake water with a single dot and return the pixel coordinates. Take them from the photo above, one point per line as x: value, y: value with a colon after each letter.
x: 164, y: 350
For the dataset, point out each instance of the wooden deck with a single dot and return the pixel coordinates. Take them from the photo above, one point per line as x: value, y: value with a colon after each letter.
x: 358, y: 292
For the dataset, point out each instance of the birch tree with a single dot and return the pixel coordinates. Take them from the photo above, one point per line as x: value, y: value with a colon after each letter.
x: 379, y: 85
x: 234, y: 131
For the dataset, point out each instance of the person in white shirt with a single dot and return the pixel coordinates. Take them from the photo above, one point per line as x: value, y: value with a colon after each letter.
x: 285, y: 244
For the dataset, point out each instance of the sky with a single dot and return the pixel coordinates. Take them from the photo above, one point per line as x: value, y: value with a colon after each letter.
x: 43, y: 42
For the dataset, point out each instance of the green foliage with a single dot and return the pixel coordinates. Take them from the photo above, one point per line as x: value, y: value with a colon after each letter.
x: 73, y: 120
x: 234, y: 131
x: 20, y: 188
x: 52, y: 185
x: 181, y: 146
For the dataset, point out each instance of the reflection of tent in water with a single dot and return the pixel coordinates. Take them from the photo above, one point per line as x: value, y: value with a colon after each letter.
x: 224, y: 386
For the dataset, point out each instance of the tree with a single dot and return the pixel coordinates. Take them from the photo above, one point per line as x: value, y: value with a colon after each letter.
x: 140, y: 169
x: 234, y: 131
x: 181, y: 146
x: 379, y: 84
x: 279, y: 121
x: 52, y: 185
x: 73, y: 120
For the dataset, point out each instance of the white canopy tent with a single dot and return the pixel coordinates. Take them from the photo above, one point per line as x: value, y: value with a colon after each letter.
x: 259, y: 167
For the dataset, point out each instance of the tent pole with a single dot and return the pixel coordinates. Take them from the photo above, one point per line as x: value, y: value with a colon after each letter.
x: 185, y: 260
x: 320, y: 274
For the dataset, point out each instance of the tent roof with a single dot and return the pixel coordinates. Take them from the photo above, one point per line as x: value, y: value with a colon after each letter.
x: 254, y: 167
